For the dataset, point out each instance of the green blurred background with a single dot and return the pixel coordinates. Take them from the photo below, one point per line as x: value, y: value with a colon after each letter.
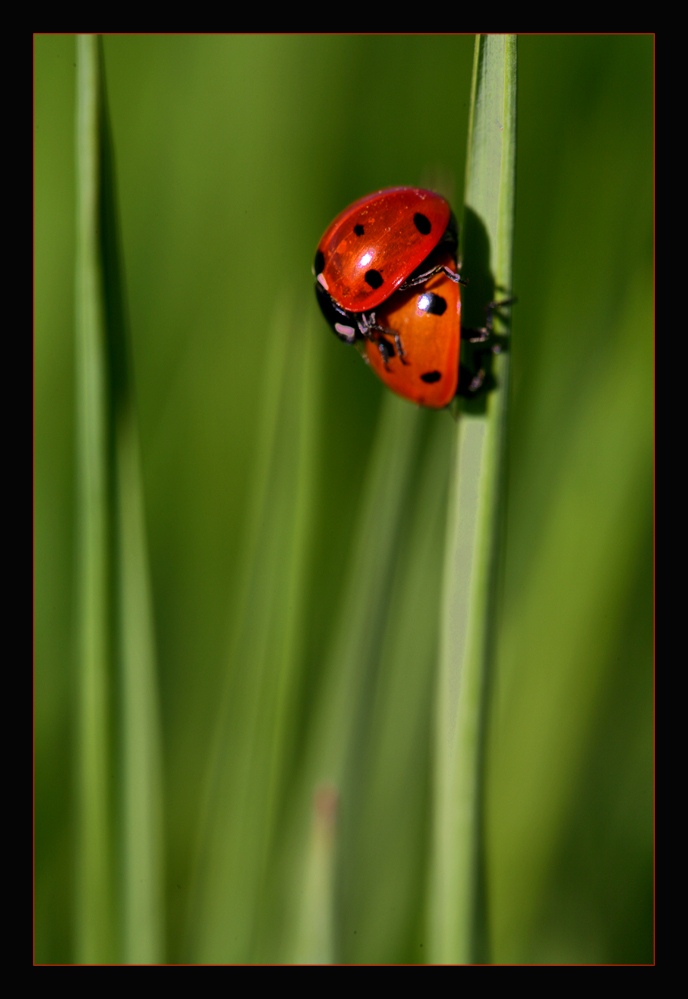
x: 233, y: 154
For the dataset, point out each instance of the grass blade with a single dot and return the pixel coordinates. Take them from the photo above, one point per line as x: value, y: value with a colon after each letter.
x: 233, y: 898
x: 119, y: 908
x: 475, y: 513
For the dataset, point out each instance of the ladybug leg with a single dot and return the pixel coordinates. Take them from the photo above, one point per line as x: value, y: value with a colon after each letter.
x: 374, y: 331
x: 470, y: 383
x: 485, y: 334
x: 493, y: 307
x: 386, y: 351
x: 442, y: 260
x: 475, y: 335
x: 454, y: 276
x: 420, y: 277
x: 400, y: 352
x: 472, y: 379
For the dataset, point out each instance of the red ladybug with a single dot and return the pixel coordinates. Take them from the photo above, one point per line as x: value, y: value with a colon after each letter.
x: 374, y: 246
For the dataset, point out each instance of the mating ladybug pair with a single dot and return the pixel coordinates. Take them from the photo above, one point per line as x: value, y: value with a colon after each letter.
x: 386, y: 277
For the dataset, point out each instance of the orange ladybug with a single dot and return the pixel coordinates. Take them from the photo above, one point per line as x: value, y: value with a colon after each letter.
x: 426, y: 321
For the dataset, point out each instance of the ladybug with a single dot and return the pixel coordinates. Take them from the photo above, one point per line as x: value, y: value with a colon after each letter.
x: 380, y: 243
x: 427, y: 321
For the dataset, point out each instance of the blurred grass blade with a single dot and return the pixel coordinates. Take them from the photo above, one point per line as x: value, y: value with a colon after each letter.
x: 349, y: 671
x: 257, y: 721
x: 473, y: 532
x: 118, y: 907
x: 353, y: 656
x: 315, y: 935
x: 96, y: 911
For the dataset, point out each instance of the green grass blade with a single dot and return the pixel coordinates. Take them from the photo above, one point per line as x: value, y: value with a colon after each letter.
x: 119, y: 865
x: 473, y: 533
x: 350, y: 670
x: 96, y: 911
x: 233, y: 898
x: 356, y: 636
x: 139, y: 729
x: 315, y: 934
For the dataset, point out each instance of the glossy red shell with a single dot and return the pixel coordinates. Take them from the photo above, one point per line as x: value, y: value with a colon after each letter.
x: 428, y: 321
x: 374, y: 245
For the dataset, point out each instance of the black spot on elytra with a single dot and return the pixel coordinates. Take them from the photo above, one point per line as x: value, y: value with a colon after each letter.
x: 319, y: 263
x: 422, y: 223
x: 358, y: 229
x: 373, y: 278
x: 436, y: 305
x: 430, y: 377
